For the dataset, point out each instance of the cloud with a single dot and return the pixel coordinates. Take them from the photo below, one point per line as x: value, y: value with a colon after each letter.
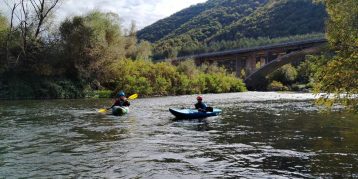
x: 143, y: 12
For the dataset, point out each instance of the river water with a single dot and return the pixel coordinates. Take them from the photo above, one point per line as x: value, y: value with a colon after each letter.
x: 259, y: 135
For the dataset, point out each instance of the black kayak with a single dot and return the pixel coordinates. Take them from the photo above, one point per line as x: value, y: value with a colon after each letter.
x: 193, y: 113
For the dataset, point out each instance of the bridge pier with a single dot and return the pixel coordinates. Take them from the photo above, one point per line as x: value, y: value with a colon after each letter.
x: 251, y: 63
x: 240, y: 65
x: 262, y: 61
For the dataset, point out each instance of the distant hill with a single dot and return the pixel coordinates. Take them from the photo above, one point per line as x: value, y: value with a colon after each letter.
x: 216, y: 21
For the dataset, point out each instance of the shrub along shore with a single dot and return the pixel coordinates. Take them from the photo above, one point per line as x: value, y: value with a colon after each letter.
x: 132, y: 76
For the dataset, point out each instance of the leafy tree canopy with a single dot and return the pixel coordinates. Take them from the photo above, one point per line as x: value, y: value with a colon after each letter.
x: 337, y: 74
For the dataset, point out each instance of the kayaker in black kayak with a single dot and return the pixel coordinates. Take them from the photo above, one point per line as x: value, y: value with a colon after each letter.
x: 200, y: 106
x: 121, y: 100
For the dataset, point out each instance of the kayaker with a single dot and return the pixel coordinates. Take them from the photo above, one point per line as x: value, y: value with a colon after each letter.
x: 200, y: 106
x: 121, y: 100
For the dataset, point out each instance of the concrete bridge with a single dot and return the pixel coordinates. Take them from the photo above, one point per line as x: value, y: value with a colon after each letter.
x: 253, y: 64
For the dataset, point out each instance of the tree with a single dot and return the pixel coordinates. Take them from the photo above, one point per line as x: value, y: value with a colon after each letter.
x: 91, y: 43
x: 3, y: 33
x: 305, y: 71
x: 144, y: 50
x: 4, y: 25
x: 42, y: 10
x: 287, y: 74
x: 337, y: 74
x: 31, y: 16
x: 131, y: 42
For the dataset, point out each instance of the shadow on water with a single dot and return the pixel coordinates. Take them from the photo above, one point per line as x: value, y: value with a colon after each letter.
x: 193, y: 124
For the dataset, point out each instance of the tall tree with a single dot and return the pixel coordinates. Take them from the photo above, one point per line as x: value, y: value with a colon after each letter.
x: 3, y: 33
x: 42, y: 9
x: 338, y: 74
x: 144, y: 50
x: 131, y: 42
x: 91, y: 44
x: 3, y: 29
x: 31, y: 16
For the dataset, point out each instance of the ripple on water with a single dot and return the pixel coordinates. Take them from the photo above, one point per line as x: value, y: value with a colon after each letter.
x: 259, y: 135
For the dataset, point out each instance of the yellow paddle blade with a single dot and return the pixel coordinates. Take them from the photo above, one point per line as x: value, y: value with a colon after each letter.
x: 102, y: 111
x: 134, y: 96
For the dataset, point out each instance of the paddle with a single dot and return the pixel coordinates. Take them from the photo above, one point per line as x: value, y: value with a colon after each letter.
x: 209, y: 109
x: 132, y: 97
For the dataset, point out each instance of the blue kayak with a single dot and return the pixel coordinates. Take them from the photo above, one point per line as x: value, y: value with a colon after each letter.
x: 193, y: 113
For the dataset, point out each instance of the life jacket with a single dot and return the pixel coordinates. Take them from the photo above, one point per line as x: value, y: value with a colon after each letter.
x: 121, y: 103
x: 200, y: 106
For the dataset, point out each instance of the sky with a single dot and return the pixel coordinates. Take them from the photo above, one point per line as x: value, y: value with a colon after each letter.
x: 143, y: 12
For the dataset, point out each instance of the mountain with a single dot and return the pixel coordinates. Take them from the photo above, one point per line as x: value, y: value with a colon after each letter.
x: 278, y: 19
x: 217, y: 21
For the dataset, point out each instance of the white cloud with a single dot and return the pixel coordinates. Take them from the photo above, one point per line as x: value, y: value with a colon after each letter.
x: 144, y: 12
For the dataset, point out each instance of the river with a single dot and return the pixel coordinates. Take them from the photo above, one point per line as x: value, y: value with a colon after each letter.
x: 259, y: 135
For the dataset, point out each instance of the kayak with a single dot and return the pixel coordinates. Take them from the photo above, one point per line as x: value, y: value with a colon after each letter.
x: 119, y: 111
x: 193, y: 113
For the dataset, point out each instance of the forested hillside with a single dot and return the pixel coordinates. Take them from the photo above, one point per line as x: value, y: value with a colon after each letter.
x: 201, y: 21
x: 198, y: 27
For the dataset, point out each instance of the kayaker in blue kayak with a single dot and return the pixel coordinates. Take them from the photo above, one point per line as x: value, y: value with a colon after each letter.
x: 121, y: 100
x: 200, y: 106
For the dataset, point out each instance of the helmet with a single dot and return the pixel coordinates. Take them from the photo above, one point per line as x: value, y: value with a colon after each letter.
x: 121, y: 94
x: 199, y: 98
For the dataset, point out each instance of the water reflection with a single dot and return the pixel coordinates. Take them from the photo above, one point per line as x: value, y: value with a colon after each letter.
x: 194, y: 124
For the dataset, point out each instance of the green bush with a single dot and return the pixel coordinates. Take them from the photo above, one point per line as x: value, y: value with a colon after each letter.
x: 35, y: 87
x: 131, y: 76
x: 305, y: 71
x: 104, y: 93
x: 277, y: 86
x: 147, y: 78
x: 20, y: 90
x: 287, y: 74
x: 300, y: 87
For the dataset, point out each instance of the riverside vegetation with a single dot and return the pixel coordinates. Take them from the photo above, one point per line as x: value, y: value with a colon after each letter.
x: 91, y: 56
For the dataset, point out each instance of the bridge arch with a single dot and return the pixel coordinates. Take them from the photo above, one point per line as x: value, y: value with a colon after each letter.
x: 257, y: 79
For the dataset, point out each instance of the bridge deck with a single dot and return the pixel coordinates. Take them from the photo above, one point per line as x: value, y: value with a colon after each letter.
x: 252, y: 49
